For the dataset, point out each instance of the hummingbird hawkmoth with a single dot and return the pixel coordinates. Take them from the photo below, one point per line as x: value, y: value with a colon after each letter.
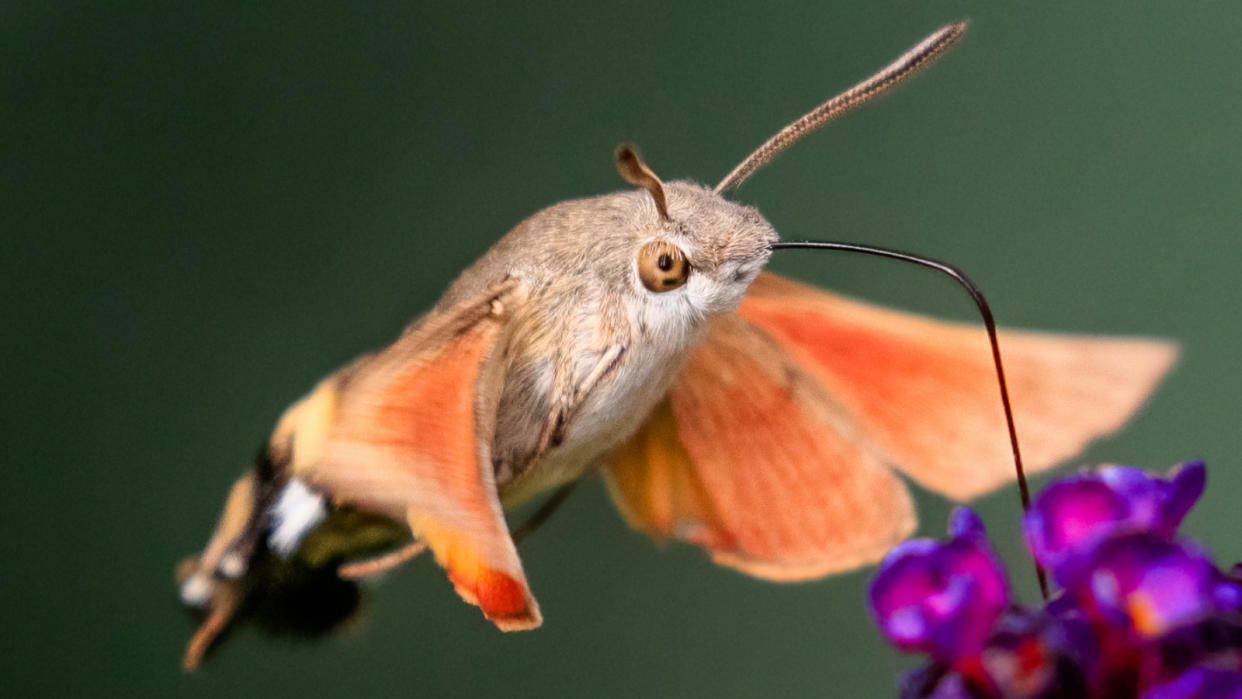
x: 636, y: 335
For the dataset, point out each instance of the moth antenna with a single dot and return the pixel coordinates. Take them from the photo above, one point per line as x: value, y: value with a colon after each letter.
x: 631, y: 167
x: 988, y: 322
x: 905, y: 66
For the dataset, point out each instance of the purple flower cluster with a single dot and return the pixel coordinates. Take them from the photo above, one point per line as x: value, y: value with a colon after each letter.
x: 1139, y: 611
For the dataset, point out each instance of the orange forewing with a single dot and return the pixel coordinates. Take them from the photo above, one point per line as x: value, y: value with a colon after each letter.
x: 925, y: 391
x: 750, y: 459
x: 411, y: 436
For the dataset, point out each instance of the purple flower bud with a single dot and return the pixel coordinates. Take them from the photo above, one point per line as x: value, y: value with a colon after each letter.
x: 941, y: 598
x: 1074, y: 514
x: 965, y: 524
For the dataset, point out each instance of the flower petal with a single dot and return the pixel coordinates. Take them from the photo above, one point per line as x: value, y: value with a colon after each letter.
x: 1150, y: 585
x: 1073, y: 515
x: 1200, y: 682
x: 941, y: 598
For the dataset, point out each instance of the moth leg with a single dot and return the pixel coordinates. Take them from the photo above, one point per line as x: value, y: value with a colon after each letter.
x: 225, y: 601
x: 606, y: 363
x: 198, y: 585
x: 572, y: 397
x: 544, y: 512
x: 369, y: 567
x: 381, y: 564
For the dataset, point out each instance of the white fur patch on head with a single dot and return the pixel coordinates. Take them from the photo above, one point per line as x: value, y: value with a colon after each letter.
x: 296, y: 512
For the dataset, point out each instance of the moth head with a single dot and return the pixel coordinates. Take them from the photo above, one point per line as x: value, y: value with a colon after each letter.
x: 725, y: 244
x: 696, y: 248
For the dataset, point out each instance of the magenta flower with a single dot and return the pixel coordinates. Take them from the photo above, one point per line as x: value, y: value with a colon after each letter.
x: 941, y: 598
x: 1141, y: 611
x: 1074, y: 514
x: 1151, y: 586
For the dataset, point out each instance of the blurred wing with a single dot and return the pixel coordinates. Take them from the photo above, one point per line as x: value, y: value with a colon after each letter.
x: 411, y: 436
x: 749, y: 459
x: 925, y: 390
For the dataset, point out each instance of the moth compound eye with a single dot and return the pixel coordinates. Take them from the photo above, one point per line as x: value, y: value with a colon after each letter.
x: 662, y: 266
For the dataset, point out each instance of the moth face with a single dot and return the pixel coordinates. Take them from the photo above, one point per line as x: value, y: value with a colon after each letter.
x: 707, y: 255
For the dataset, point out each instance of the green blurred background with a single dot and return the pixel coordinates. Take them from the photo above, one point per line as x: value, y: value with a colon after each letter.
x: 206, y: 208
